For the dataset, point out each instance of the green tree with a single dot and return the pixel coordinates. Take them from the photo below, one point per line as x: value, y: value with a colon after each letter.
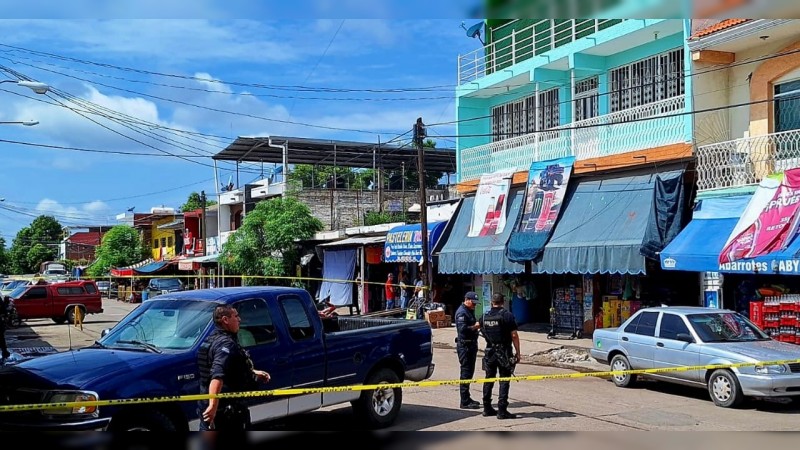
x: 121, y: 246
x: 4, y: 266
x: 35, y: 244
x: 265, y: 243
x: 194, y: 202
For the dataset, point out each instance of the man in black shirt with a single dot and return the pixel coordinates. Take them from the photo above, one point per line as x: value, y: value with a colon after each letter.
x: 467, y: 346
x: 500, y: 330
x: 226, y: 367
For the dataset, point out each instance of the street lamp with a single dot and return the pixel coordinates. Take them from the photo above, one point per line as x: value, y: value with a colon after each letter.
x: 35, y: 86
x: 27, y: 123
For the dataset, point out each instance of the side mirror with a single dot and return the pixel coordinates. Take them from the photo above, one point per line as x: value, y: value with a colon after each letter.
x: 685, y: 337
x: 105, y: 332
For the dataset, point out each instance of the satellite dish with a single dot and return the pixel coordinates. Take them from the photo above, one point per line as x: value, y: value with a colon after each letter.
x: 474, y: 31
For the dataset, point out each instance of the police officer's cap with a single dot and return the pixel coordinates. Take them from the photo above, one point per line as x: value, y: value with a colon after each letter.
x: 471, y: 296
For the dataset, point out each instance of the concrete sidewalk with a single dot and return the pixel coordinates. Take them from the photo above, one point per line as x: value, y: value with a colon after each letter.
x: 536, y: 348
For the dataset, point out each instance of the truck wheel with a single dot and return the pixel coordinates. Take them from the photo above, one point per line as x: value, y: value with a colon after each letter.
x: 620, y: 362
x: 724, y: 388
x: 379, y: 408
x: 144, y: 421
x: 71, y: 314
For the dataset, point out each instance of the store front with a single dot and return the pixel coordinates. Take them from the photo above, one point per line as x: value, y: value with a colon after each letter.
x: 352, y: 273
x: 745, y: 285
x: 474, y: 254
x: 604, y: 248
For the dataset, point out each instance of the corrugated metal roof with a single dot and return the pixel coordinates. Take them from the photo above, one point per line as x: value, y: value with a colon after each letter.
x: 356, y: 241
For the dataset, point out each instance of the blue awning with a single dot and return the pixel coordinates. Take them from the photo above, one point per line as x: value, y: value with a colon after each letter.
x: 483, y: 254
x: 152, y: 267
x: 697, y: 247
x: 404, y: 243
x: 602, y: 227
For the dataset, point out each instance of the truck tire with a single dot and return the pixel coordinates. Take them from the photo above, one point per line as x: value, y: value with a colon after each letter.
x: 71, y: 314
x: 620, y: 362
x: 379, y: 408
x: 724, y: 389
x: 143, y: 421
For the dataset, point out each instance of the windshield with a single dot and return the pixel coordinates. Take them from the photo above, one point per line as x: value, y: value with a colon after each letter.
x: 13, y: 284
x: 170, y: 283
x: 18, y: 291
x: 161, y: 324
x: 725, y: 327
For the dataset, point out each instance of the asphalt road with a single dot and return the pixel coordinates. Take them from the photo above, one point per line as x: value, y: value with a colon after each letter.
x: 586, y: 404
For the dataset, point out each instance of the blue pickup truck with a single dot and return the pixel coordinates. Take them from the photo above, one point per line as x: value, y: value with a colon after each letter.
x: 152, y: 352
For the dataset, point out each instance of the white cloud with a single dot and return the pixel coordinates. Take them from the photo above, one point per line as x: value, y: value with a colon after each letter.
x: 94, y: 212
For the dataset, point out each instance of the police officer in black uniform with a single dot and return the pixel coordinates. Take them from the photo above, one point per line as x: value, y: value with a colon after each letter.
x: 500, y: 331
x: 226, y: 367
x: 4, y: 312
x: 467, y: 327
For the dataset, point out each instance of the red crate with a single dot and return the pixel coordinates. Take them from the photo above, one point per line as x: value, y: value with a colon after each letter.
x: 773, y: 308
x: 757, y: 313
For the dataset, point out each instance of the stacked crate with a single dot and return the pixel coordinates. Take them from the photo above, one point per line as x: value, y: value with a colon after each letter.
x: 780, y: 317
x: 438, y: 319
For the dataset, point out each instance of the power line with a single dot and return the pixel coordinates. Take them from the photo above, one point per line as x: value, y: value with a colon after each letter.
x: 125, y: 198
x: 233, y: 83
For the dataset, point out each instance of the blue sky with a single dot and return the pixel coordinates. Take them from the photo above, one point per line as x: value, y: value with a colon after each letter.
x: 81, y: 59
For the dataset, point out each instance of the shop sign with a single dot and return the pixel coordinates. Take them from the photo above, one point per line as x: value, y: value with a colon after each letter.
x: 774, y: 227
x: 776, y: 266
x: 489, y: 208
x: 544, y: 195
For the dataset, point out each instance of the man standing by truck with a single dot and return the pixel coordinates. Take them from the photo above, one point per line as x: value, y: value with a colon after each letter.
x: 467, y: 327
x: 226, y: 367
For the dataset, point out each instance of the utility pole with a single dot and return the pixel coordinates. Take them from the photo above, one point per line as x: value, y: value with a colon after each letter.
x: 427, y: 278
x: 203, y: 230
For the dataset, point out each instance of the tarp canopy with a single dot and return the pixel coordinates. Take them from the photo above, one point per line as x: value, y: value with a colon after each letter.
x: 404, y: 243
x: 152, y: 267
x: 481, y: 254
x: 338, y: 268
x: 127, y: 271
x: 698, y: 246
x: 604, y: 225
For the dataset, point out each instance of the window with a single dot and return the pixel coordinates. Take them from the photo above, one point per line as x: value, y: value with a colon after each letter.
x: 163, y: 242
x: 787, y: 106
x: 36, y: 292
x: 671, y: 326
x: 90, y: 288
x: 631, y: 328
x: 522, y: 116
x: 155, y: 243
x: 586, y: 98
x: 646, y: 325
x: 74, y: 290
x: 647, y: 81
x: 256, y: 327
x: 299, y: 323
x: 169, y: 241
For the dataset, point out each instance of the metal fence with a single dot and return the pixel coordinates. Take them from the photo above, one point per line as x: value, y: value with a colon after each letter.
x: 745, y: 161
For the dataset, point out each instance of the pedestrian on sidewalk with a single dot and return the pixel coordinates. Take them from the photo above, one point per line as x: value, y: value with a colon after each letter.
x: 390, y: 290
x: 500, y: 331
x: 467, y: 327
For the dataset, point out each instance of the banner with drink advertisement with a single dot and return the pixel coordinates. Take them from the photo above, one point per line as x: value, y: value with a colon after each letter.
x: 489, y: 208
x: 769, y: 223
x: 544, y: 195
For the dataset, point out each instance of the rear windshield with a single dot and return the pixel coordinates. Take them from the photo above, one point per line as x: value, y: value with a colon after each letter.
x: 170, y: 283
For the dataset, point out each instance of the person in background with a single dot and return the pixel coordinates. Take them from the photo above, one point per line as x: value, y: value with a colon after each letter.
x: 419, y: 288
x: 403, y: 291
x: 5, y: 302
x: 467, y: 346
x: 389, y: 290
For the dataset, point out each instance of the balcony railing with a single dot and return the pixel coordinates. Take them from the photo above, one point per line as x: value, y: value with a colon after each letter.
x: 625, y: 131
x: 747, y: 160
x: 520, y: 45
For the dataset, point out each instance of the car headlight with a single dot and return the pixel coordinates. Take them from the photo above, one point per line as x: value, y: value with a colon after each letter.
x: 770, y: 369
x: 71, y: 397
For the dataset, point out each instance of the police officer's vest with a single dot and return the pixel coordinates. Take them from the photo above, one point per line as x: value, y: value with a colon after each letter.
x: 204, y: 364
x: 493, y: 328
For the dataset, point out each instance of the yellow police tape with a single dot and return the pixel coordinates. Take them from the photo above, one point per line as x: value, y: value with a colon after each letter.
x: 369, y: 387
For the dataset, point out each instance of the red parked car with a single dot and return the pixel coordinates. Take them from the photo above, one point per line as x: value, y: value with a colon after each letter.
x: 60, y: 302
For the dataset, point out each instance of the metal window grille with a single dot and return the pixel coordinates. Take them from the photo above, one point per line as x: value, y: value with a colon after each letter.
x: 548, y: 109
x: 586, y: 98
x: 647, y: 81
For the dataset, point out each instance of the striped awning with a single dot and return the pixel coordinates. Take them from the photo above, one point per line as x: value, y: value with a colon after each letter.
x: 128, y: 271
